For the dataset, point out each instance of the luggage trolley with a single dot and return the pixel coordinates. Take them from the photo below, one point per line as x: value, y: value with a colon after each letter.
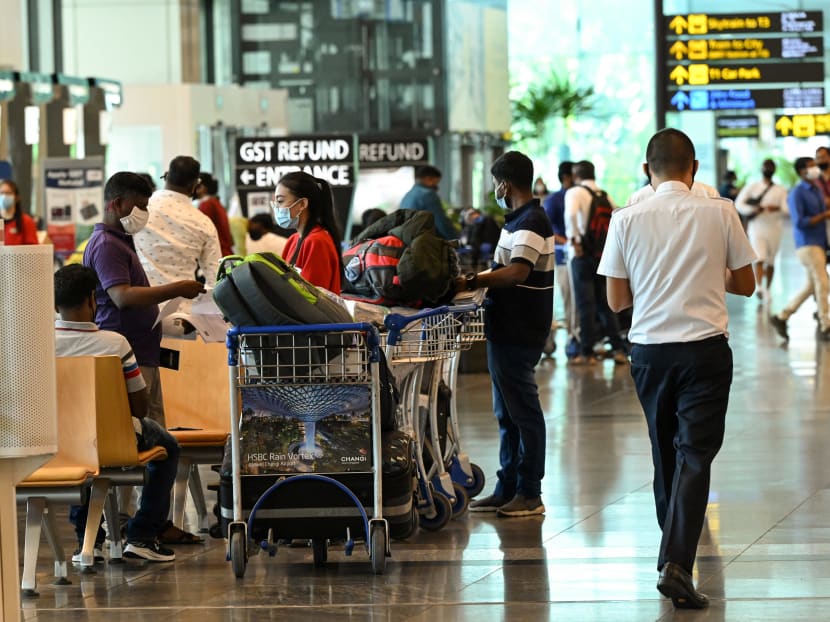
x: 294, y: 377
x: 457, y: 462
x: 412, y: 342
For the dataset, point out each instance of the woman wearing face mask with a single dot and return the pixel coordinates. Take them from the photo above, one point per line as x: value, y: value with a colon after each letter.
x: 305, y: 203
x: 18, y: 227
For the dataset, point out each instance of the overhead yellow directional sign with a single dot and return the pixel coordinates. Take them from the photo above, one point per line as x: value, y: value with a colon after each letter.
x: 746, y: 49
x: 802, y: 125
x: 704, y: 73
x: 705, y: 23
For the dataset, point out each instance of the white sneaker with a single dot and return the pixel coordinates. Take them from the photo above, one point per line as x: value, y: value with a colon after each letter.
x: 97, y: 556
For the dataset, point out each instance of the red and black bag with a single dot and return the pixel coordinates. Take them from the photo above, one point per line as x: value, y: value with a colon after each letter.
x: 599, y: 219
x: 372, y: 270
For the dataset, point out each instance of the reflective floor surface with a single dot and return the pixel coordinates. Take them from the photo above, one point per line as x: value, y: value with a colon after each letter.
x: 764, y: 555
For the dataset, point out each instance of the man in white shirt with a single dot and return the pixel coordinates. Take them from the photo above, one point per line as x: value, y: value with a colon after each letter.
x: 588, y: 286
x: 673, y: 258
x: 178, y: 238
x: 698, y: 189
x: 761, y: 203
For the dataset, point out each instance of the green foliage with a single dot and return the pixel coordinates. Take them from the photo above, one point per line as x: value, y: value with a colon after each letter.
x: 553, y: 98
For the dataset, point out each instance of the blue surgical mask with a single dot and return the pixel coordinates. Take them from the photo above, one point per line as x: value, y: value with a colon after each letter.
x: 283, y: 217
x: 501, y: 201
x: 7, y: 206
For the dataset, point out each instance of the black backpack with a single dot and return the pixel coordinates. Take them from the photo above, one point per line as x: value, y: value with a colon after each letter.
x: 599, y: 219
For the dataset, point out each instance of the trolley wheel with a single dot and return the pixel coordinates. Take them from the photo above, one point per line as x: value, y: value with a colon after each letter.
x: 320, y: 549
x: 478, y: 481
x: 443, y: 513
x: 462, y: 500
x: 377, y: 551
x: 238, y: 553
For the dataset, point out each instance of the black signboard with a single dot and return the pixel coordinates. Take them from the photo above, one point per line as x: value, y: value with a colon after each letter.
x: 728, y: 23
x: 702, y: 74
x: 741, y: 49
x: 737, y: 127
x: 386, y: 151
x: 744, y: 99
x: 262, y: 161
x: 802, y: 125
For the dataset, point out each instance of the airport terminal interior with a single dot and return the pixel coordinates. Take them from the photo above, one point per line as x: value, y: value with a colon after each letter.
x: 364, y: 93
x: 592, y: 556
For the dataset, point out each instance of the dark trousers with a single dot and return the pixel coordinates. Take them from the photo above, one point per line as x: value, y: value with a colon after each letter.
x: 684, y: 391
x: 520, y: 418
x: 151, y: 516
x: 591, y: 302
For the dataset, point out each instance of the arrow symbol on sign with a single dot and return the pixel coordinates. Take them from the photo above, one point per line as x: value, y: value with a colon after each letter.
x: 679, y: 24
x: 679, y: 75
x: 678, y: 49
x: 784, y: 125
x: 680, y: 100
x: 246, y: 177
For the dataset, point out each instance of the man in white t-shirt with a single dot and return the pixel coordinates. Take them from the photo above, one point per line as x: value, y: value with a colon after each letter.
x: 77, y: 335
x: 761, y: 203
x: 178, y: 239
x: 673, y: 258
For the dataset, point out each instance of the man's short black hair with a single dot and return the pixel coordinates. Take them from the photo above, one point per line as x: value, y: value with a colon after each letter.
x: 210, y: 183
x: 183, y: 171
x: 514, y: 167
x: 801, y: 163
x: 670, y: 152
x: 566, y: 169
x: 584, y: 169
x: 73, y: 285
x: 125, y: 184
x: 427, y: 170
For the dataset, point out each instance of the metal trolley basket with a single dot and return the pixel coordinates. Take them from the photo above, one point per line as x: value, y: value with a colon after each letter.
x: 422, y: 348
x: 297, y: 376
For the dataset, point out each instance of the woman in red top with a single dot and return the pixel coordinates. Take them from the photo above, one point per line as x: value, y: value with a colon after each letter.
x: 18, y: 227
x: 212, y: 207
x: 305, y: 203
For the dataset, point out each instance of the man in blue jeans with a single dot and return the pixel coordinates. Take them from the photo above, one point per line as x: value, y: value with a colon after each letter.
x: 681, y: 362
x: 517, y: 322
x: 77, y: 335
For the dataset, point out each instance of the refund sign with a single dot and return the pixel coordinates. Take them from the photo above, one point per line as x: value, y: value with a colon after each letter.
x: 261, y: 163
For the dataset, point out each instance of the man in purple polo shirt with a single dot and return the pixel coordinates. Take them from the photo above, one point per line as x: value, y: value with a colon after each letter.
x: 126, y: 302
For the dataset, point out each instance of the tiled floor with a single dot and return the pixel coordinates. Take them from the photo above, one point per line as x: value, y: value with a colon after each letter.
x: 765, y: 554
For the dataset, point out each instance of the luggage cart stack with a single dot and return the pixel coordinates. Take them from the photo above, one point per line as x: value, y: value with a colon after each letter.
x: 456, y: 461
x: 294, y: 377
x: 417, y: 344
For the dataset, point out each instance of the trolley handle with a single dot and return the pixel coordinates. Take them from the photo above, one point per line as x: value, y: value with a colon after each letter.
x: 469, y: 307
x: 396, y: 322
x: 368, y: 329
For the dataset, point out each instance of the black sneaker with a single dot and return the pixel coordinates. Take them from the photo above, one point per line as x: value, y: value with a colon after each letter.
x: 487, y: 504
x: 780, y: 326
x: 149, y: 551
x: 522, y: 506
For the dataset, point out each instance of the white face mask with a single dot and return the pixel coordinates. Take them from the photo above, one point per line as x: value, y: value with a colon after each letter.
x: 6, y: 206
x: 813, y: 172
x: 135, y: 221
x: 501, y: 201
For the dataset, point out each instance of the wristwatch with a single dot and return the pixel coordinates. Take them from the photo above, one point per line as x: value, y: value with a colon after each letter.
x: 472, y: 280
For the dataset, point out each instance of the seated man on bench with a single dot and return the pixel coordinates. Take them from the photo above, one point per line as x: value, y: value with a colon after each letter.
x: 77, y: 335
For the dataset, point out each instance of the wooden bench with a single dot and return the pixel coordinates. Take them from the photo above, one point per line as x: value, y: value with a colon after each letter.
x: 196, y: 410
x: 93, y: 388
x: 63, y: 477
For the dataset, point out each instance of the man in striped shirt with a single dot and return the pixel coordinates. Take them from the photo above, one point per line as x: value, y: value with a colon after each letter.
x: 517, y: 322
x: 77, y: 335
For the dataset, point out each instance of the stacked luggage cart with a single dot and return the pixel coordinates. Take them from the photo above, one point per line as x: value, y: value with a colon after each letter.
x: 423, y: 349
x: 284, y: 484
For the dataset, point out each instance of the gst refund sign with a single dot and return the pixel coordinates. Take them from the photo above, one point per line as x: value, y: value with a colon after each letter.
x: 261, y: 163
x: 802, y: 125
